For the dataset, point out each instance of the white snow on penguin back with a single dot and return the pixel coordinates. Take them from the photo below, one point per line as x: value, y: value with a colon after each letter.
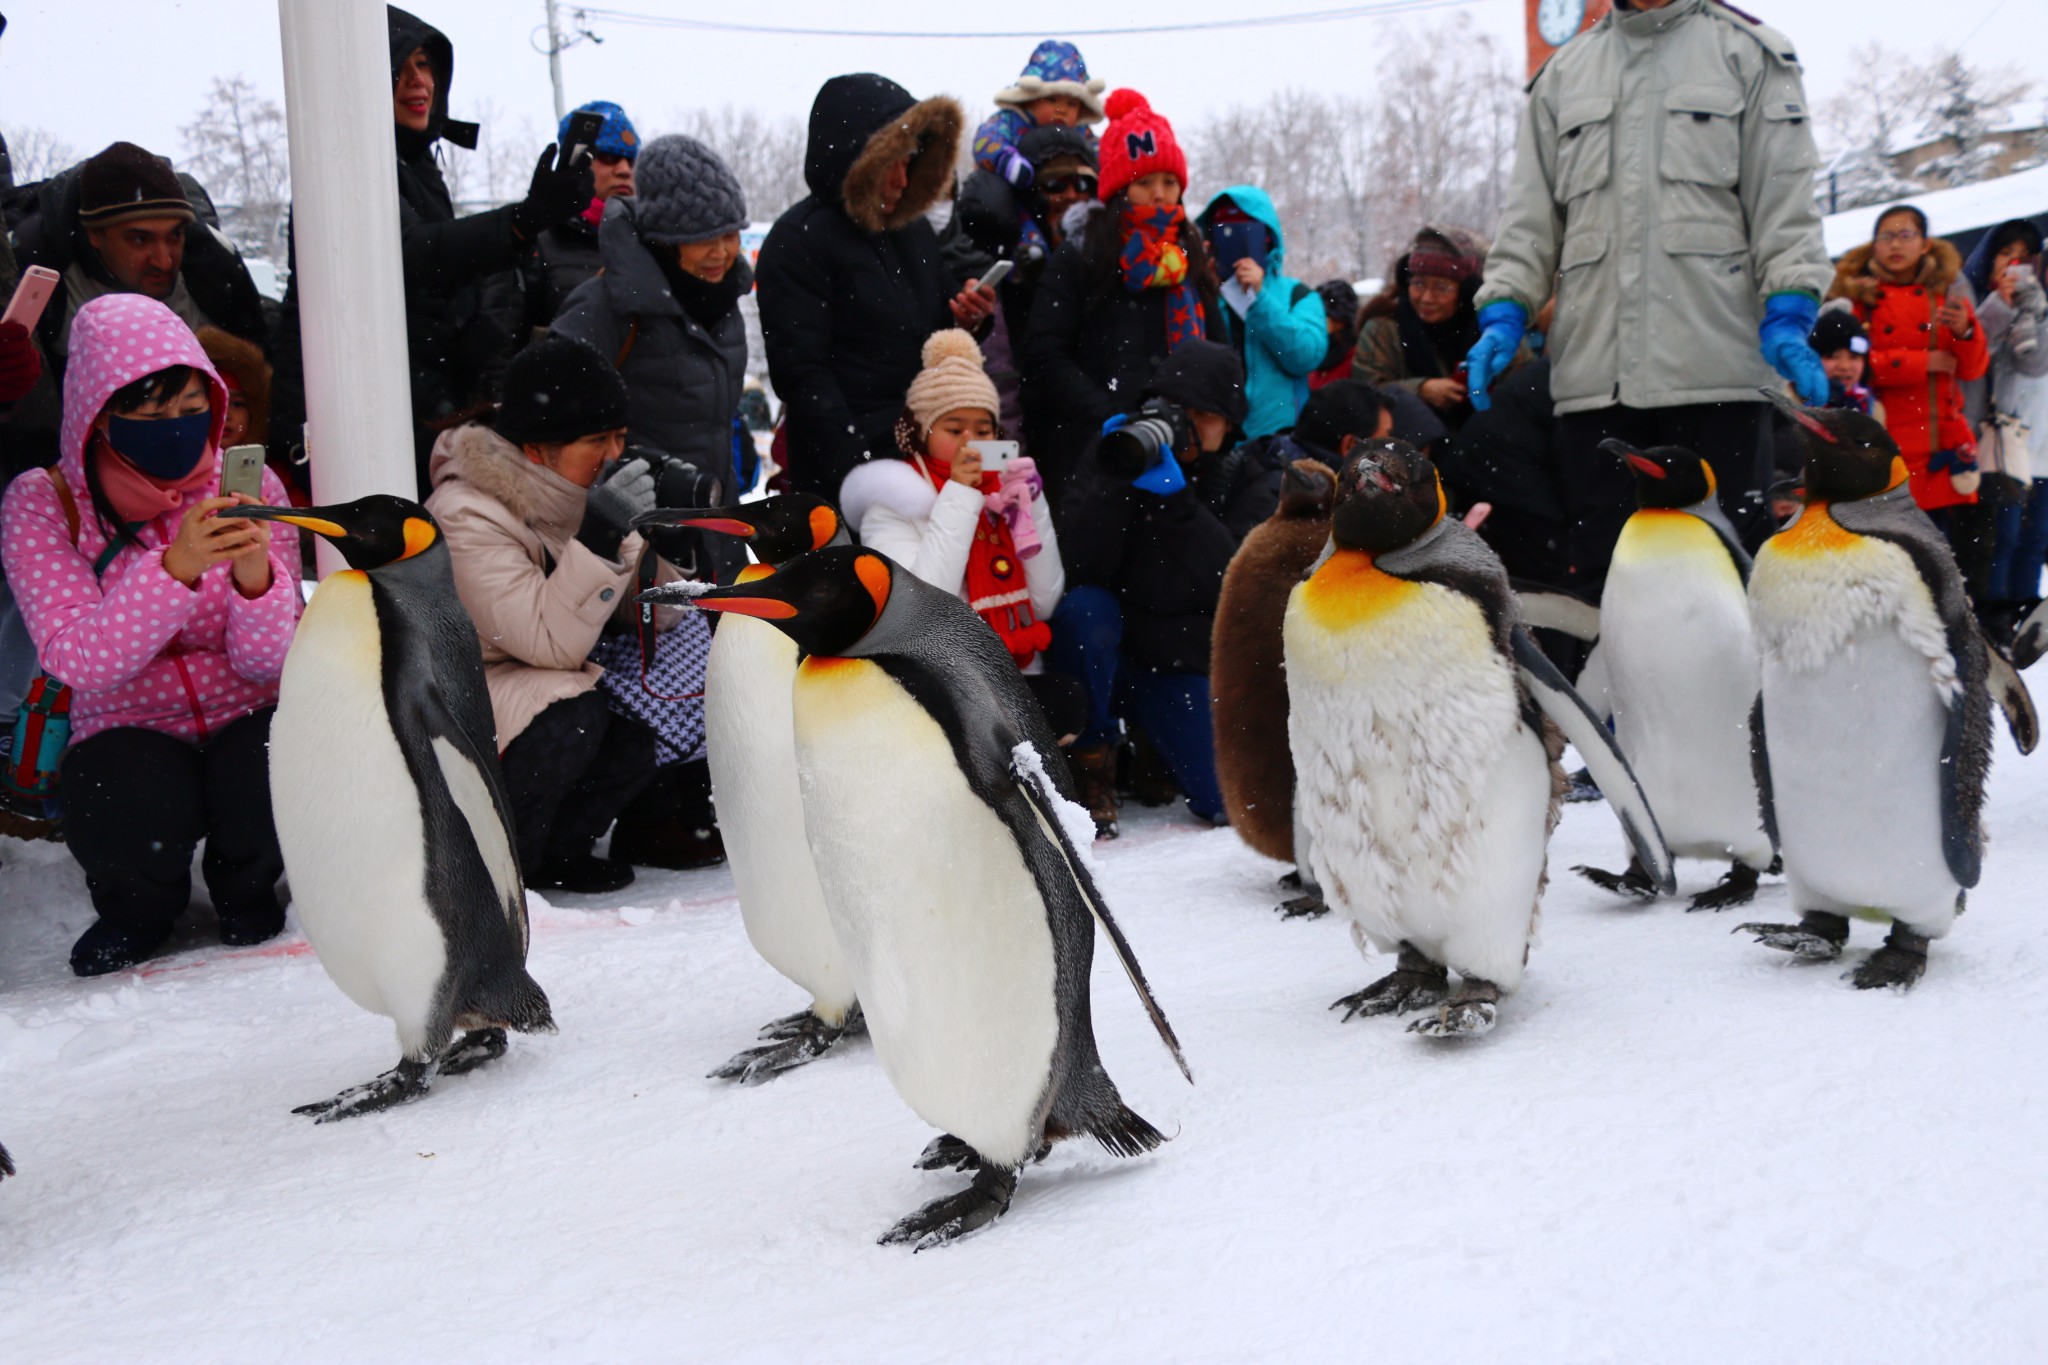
x: 1073, y: 818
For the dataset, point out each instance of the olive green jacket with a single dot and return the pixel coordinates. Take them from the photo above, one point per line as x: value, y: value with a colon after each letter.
x: 1664, y: 183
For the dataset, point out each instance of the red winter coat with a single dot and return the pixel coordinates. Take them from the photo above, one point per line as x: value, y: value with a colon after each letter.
x: 1923, y: 411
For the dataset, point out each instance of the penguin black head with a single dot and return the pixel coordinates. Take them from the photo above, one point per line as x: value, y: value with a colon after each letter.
x: 1388, y: 494
x: 1848, y: 455
x: 778, y: 528
x: 825, y: 601
x: 1307, y: 489
x: 370, y: 532
x: 1666, y: 476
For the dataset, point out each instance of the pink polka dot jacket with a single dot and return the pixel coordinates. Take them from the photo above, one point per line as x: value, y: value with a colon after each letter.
x: 136, y: 646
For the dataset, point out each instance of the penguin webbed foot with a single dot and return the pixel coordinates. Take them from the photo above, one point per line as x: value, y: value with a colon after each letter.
x: 1308, y: 905
x: 1818, y: 937
x: 472, y: 1050
x: 947, y: 1153
x: 1736, y: 887
x: 1467, y: 1014
x: 953, y: 1217
x: 1416, y: 984
x: 794, y: 1040
x: 402, y: 1084
x: 1898, y: 964
x: 1635, y: 882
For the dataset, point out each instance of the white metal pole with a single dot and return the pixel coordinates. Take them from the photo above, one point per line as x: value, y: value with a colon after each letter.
x: 555, y: 59
x: 337, y: 83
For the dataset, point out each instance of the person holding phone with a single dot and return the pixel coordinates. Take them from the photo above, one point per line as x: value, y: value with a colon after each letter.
x: 1414, y: 333
x: 168, y: 618
x: 1277, y: 324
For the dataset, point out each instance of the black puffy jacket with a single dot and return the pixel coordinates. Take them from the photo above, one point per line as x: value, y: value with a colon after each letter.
x: 848, y: 295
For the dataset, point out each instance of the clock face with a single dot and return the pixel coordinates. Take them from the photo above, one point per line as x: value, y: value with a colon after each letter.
x: 1559, y: 20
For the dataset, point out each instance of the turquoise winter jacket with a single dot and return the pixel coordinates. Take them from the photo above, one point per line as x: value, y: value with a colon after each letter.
x: 1283, y: 335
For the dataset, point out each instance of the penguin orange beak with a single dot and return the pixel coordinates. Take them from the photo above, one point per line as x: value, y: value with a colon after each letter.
x: 1634, y: 458
x: 737, y: 599
x: 719, y: 519
x: 1798, y: 414
x: 297, y: 517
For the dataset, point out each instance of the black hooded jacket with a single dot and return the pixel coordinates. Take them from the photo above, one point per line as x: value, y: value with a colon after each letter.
x: 1164, y: 557
x: 456, y: 349
x: 848, y: 295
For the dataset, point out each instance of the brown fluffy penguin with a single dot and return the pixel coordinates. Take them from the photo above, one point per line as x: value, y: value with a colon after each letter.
x: 1247, y: 680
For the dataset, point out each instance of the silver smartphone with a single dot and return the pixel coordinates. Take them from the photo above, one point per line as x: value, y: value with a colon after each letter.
x: 997, y: 273
x: 241, y: 471
x: 995, y: 455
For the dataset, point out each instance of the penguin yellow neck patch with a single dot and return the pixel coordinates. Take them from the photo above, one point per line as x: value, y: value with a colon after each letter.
x: 1815, y: 533
x: 419, y: 534
x: 824, y: 526
x: 754, y: 573
x: 1349, y: 590
x: 1654, y: 532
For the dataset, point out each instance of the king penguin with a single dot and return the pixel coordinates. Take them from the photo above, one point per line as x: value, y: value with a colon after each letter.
x: 1873, y: 729
x: 389, y: 806
x: 953, y: 860
x: 1426, y: 727
x: 1248, y: 678
x: 1677, y: 673
x: 750, y: 742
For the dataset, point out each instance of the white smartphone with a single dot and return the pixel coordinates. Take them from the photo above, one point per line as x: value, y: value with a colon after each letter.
x: 997, y: 273
x: 995, y: 455
x: 241, y: 471
x: 31, y: 296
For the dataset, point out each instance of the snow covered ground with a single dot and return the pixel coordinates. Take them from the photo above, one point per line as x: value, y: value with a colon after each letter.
x: 1678, y: 1146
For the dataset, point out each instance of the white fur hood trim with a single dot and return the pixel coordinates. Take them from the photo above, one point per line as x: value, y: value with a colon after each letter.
x: 895, y: 484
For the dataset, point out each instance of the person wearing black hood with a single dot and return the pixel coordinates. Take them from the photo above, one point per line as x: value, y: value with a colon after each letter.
x: 456, y: 348
x: 850, y: 279
x: 1145, y: 553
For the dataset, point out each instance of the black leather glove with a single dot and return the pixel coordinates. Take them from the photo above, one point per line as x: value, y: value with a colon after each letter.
x: 612, y: 503
x: 557, y: 194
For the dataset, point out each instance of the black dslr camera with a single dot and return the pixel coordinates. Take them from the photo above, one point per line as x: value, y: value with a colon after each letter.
x: 1154, y: 432
x: 677, y: 483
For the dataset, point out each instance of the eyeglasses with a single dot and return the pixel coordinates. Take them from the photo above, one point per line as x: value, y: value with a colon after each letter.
x: 1069, y: 184
x: 1899, y: 237
x: 1433, y: 287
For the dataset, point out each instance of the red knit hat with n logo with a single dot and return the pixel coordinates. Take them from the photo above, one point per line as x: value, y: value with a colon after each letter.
x: 1136, y: 143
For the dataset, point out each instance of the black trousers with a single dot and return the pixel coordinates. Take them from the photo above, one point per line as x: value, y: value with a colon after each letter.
x: 569, y: 774
x: 1600, y: 493
x: 137, y: 802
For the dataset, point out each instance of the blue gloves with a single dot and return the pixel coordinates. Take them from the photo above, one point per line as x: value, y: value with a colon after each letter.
x: 1788, y: 321
x: 1501, y: 325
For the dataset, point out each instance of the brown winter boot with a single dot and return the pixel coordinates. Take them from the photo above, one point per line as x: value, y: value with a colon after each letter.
x: 1151, y: 781
x: 1094, y: 769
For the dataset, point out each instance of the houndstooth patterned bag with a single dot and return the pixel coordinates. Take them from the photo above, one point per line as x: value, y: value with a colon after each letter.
x: 670, y: 698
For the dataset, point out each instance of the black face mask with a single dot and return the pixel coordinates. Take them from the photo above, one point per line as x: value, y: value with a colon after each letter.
x: 166, y: 449
x: 706, y: 301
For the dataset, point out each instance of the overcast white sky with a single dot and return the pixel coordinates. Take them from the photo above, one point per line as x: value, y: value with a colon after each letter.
x: 93, y: 71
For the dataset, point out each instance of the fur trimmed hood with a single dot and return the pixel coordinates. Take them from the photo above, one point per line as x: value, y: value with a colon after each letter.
x: 888, y: 482
x: 493, y: 466
x: 1855, y: 280
x: 863, y: 124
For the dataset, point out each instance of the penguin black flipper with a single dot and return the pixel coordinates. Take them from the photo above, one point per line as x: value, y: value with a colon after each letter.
x: 2009, y: 690
x: 1891, y: 516
x: 6, y: 1164
x: 1035, y: 785
x: 1547, y: 608
x: 2030, y: 641
x: 1760, y: 768
x: 1548, y: 689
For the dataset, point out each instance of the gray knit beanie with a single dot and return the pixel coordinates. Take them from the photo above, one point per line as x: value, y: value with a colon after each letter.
x: 682, y: 193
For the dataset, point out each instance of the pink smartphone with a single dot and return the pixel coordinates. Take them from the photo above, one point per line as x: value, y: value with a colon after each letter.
x: 31, y: 296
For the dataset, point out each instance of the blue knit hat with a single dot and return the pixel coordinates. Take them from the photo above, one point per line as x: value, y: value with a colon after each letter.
x: 1056, y: 68
x: 616, y: 138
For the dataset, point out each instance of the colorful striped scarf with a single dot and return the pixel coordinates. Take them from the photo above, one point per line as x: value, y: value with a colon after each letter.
x: 1153, y: 258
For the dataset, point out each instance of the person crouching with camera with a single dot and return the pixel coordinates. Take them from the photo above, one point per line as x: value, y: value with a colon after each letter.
x: 537, y: 508
x: 1158, y: 509
x: 965, y: 513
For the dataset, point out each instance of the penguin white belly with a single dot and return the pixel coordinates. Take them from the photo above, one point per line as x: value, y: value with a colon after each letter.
x: 1682, y: 676
x: 1856, y: 684
x: 751, y: 747
x: 941, y: 922
x: 348, y: 815
x: 1426, y: 798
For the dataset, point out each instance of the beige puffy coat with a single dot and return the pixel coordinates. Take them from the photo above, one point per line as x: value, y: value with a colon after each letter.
x: 1664, y: 183
x: 539, y: 597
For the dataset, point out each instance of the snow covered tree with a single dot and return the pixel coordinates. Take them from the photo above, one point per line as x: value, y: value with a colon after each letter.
x: 501, y: 166
x: 1894, y: 105
x: 1966, y: 110
x: 238, y: 149
x: 36, y: 153
x: 766, y: 155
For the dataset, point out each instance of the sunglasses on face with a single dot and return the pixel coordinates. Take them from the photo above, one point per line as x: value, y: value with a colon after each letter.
x: 1069, y: 184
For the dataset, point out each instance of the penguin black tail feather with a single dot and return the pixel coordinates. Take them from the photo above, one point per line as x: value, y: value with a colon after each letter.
x: 512, y: 1000
x: 1124, y: 1132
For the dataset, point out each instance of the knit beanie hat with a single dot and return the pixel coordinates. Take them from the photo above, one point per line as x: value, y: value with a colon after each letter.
x: 125, y: 182
x: 615, y: 138
x: 559, y: 389
x: 1056, y: 68
x: 682, y: 193
x: 952, y: 378
x: 1837, y: 329
x: 1136, y: 143
x: 1343, y: 407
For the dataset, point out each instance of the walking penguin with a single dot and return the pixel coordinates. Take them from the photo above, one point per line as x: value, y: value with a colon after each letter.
x: 1873, y: 730
x: 1676, y: 671
x: 389, y: 806
x: 750, y: 743
x: 952, y: 857
x: 1249, y: 680
x: 1426, y: 727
